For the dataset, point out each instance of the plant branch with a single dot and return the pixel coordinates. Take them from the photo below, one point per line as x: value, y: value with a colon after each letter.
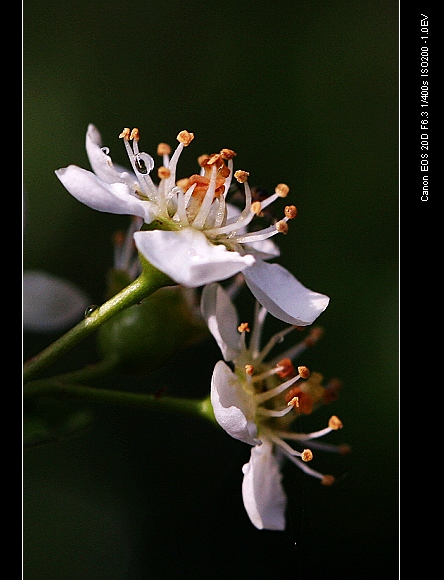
x: 48, y: 387
x: 146, y: 284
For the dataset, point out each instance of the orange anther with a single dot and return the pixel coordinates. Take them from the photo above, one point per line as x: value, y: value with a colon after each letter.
x: 163, y: 172
x: 185, y: 138
x: 227, y: 153
x: 163, y: 149
x: 335, y: 423
x: 125, y: 134
x: 243, y: 327
x: 135, y: 134
x: 304, y: 372
x: 249, y: 369
x: 241, y: 176
x: 286, y: 369
x: 282, y: 227
x: 290, y: 212
x: 307, y: 455
x: 282, y: 189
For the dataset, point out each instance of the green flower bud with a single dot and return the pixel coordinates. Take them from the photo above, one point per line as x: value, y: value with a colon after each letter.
x: 147, y: 335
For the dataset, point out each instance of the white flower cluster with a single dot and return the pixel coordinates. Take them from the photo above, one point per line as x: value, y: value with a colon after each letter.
x: 191, y: 233
x: 187, y: 229
x: 258, y: 401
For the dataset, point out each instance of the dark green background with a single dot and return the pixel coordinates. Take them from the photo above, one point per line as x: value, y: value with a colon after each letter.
x: 305, y: 93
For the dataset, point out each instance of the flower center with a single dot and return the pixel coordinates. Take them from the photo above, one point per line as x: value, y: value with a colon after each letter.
x: 280, y: 392
x: 200, y: 200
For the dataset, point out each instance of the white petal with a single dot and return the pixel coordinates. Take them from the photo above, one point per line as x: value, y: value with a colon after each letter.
x: 87, y: 188
x: 264, y: 497
x: 101, y: 163
x: 283, y: 296
x: 50, y: 303
x: 188, y: 257
x: 233, y: 408
x: 264, y: 249
x: 221, y: 318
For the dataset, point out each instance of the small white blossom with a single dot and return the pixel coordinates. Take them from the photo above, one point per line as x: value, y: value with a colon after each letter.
x: 258, y: 401
x: 126, y: 259
x: 190, y: 232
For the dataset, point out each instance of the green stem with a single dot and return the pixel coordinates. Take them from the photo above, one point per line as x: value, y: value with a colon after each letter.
x: 195, y: 407
x: 146, y: 284
x: 99, y: 370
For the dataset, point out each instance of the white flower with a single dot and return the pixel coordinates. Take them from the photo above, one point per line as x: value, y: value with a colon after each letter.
x: 50, y: 303
x: 189, y: 233
x: 257, y: 402
x: 126, y: 259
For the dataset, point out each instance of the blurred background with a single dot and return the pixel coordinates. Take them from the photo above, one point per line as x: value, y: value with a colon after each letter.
x: 306, y: 93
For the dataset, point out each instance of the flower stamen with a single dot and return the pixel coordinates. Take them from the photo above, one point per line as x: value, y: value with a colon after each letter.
x: 272, y: 412
x: 297, y: 349
x: 275, y: 339
x: 125, y: 134
x: 315, y: 334
x: 135, y: 136
x: 325, y: 479
x: 266, y: 395
x: 286, y: 369
x: 142, y: 163
x: 306, y: 455
x: 241, y: 176
x: 208, y: 199
x: 280, y: 227
x: 294, y: 402
x: 304, y: 372
x: 185, y: 138
x: 308, y: 436
x: 249, y: 369
x: 163, y: 149
x: 281, y: 190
